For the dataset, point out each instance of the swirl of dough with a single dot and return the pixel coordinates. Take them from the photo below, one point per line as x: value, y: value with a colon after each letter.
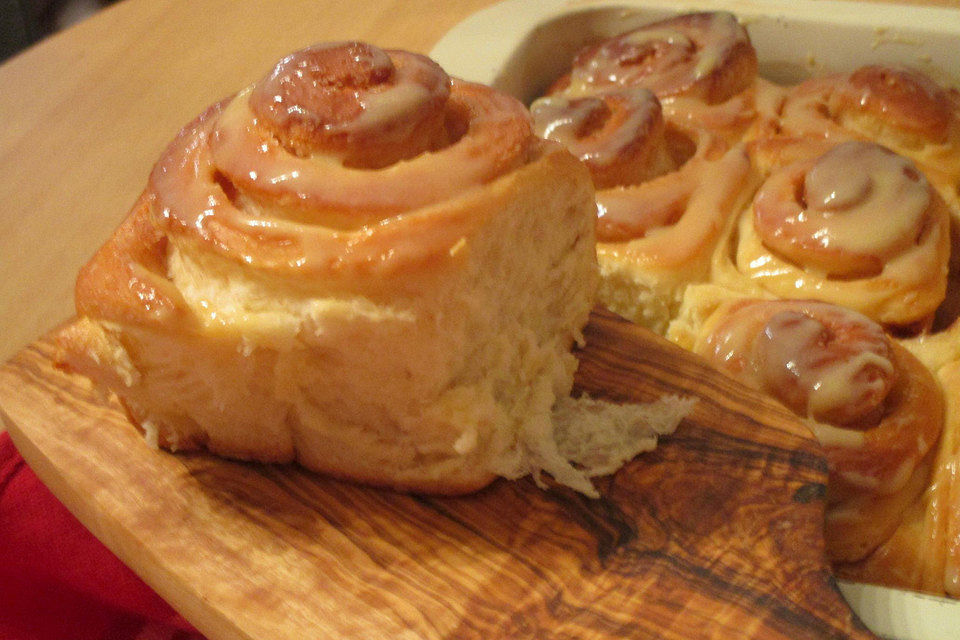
x: 822, y: 361
x: 831, y: 371
x: 355, y: 102
x: 820, y: 215
x: 923, y: 554
x: 877, y: 411
x: 656, y: 238
x: 704, y: 55
x: 900, y: 108
x: 756, y: 108
x: 630, y: 212
x: 331, y: 162
x: 858, y: 226
x: 619, y: 134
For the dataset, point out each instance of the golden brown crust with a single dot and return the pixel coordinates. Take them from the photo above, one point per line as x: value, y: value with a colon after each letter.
x: 849, y: 196
x: 875, y: 408
x: 126, y: 280
x: 275, y: 296
x: 706, y: 55
x: 901, y: 107
x: 883, y: 250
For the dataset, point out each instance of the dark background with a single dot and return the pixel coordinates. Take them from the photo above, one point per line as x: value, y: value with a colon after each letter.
x: 24, y: 22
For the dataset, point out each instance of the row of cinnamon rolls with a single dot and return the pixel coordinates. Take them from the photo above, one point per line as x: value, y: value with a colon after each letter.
x: 805, y: 240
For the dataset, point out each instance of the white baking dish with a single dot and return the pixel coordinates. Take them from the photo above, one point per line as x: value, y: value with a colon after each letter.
x: 520, y: 46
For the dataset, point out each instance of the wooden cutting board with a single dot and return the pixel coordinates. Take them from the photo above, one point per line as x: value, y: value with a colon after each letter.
x: 716, y: 534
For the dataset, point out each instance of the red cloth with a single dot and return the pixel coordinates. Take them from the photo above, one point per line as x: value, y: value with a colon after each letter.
x: 57, y: 581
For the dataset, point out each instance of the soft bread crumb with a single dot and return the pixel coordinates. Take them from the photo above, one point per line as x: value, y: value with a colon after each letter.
x: 601, y: 436
x: 430, y: 375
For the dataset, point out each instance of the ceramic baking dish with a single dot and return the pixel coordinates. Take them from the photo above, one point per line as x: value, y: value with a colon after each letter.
x: 520, y: 46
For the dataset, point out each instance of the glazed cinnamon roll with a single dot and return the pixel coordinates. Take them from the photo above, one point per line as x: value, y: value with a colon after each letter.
x: 661, y: 215
x: 657, y: 238
x: 875, y: 409
x: 357, y: 263
x: 923, y: 554
x: 701, y: 66
x: 857, y: 226
x: 900, y: 108
x: 662, y: 198
x: 660, y: 219
x: 619, y: 135
x: 704, y: 55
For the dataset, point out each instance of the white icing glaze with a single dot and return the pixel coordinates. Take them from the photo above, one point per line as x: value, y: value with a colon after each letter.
x: 566, y: 119
x: 836, y: 384
x: 675, y: 218
x: 231, y: 182
x: 868, y: 199
x: 831, y: 436
x: 838, y: 369
x: 827, y: 363
x: 381, y: 108
x: 670, y: 57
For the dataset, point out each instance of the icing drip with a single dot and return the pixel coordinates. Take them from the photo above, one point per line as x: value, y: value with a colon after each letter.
x: 831, y: 372
x: 846, y: 213
x: 619, y: 134
x: 704, y: 54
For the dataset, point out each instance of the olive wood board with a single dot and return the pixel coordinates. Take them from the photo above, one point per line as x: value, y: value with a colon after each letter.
x: 717, y: 533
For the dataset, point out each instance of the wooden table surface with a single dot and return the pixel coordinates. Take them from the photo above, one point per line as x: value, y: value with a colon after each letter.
x: 86, y: 113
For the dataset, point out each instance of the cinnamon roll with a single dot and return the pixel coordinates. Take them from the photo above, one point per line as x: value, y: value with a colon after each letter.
x: 923, y: 554
x: 701, y: 66
x: 903, y: 109
x: 619, y: 135
x: 657, y: 238
x: 876, y: 409
x: 357, y: 263
x: 858, y: 226
x: 704, y: 55
x: 684, y: 172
